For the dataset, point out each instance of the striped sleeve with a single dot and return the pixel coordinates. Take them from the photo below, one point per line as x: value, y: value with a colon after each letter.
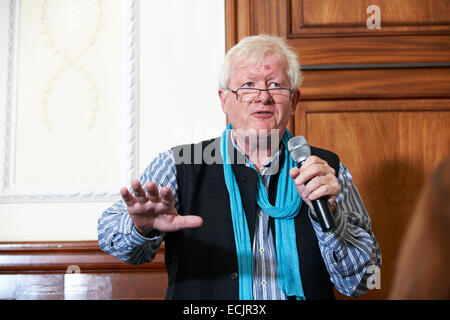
x: 116, y: 233
x: 351, y: 253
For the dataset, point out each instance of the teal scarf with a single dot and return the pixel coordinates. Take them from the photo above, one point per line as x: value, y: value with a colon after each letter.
x: 286, y: 207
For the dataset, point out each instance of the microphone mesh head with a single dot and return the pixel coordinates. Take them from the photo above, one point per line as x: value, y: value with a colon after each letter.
x: 299, y: 148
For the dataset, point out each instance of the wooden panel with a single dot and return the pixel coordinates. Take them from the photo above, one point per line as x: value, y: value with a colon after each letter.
x: 306, y: 108
x: 239, y: 20
x: 86, y: 286
x: 390, y: 155
x: 342, y: 17
x: 40, y: 271
x: 379, y: 98
x: 270, y: 17
x: 32, y: 287
x: 148, y: 285
x: 326, y: 41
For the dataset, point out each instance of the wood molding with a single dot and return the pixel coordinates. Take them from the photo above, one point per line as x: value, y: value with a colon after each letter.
x: 386, y: 49
x: 56, y: 257
x: 376, y: 84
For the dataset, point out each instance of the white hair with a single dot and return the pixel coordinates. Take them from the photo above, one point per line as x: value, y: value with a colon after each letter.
x: 255, y: 49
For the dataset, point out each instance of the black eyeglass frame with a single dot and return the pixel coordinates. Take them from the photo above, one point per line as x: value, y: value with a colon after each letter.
x: 236, y: 92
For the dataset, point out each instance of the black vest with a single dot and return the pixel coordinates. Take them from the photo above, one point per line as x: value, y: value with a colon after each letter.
x: 202, y: 263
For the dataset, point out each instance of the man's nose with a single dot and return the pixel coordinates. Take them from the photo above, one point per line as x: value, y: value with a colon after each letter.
x: 265, y: 97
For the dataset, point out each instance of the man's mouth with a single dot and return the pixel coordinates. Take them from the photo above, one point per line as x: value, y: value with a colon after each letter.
x: 262, y: 114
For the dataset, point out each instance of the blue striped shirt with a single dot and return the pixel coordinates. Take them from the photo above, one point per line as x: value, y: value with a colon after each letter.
x: 348, y: 252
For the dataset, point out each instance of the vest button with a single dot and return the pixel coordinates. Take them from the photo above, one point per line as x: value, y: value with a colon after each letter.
x: 243, y: 179
x: 234, y: 276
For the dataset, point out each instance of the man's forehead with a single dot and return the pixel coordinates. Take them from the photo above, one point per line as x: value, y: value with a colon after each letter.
x: 267, y: 62
x: 252, y: 70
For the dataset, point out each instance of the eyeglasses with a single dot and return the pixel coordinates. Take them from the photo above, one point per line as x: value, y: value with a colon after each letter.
x: 250, y: 95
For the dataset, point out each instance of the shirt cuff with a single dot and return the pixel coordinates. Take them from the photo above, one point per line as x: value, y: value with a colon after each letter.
x: 152, y: 235
x: 333, y: 244
x: 330, y: 239
x: 135, y: 238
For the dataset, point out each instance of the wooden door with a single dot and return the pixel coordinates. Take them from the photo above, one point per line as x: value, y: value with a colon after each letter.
x: 379, y: 97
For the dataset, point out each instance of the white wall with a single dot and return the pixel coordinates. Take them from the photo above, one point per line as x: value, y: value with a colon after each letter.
x: 181, y: 46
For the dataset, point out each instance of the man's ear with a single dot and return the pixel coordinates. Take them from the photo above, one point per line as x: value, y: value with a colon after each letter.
x: 223, y: 98
x: 295, y: 99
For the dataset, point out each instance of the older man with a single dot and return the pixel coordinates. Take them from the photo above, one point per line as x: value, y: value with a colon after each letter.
x: 243, y: 227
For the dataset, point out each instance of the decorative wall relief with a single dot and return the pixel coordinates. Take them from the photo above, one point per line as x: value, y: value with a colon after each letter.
x: 68, y: 101
x: 70, y: 58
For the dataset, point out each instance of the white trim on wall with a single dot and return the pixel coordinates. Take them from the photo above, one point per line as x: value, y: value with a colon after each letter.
x: 9, y: 191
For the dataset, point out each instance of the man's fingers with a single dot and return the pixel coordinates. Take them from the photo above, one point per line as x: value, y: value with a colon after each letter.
x: 312, y: 160
x: 315, y: 184
x: 127, y: 197
x: 294, y: 172
x: 308, y: 173
x: 321, y: 191
x: 153, y: 193
x: 328, y: 189
x: 167, y: 197
x: 311, y: 170
x: 139, y: 192
x: 187, y: 222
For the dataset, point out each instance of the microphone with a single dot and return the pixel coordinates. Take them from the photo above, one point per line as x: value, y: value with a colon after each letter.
x: 299, y: 149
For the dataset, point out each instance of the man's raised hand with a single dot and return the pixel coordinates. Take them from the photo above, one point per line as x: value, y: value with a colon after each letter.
x: 153, y: 210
